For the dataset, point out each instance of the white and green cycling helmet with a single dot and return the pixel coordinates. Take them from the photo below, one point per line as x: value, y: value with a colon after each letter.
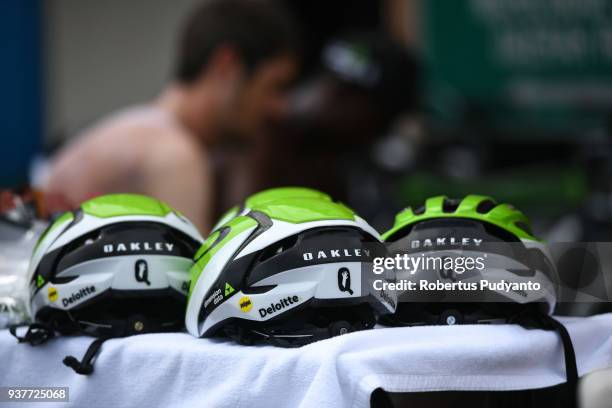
x: 289, y: 271
x: 118, y: 265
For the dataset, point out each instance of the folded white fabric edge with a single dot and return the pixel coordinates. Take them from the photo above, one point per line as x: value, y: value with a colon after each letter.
x: 175, y: 369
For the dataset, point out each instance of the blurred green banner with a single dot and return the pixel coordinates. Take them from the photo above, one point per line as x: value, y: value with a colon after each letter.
x: 536, y: 65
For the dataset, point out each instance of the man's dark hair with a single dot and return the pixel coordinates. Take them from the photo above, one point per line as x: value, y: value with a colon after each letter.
x: 258, y: 29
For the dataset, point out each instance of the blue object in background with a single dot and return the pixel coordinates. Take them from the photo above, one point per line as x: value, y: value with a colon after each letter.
x: 21, y: 82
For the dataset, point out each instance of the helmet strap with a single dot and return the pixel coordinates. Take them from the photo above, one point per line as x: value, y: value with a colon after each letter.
x: 36, y: 334
x: 85, y: 366
x: 547, y: 322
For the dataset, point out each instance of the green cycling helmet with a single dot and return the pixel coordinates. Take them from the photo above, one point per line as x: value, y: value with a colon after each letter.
x: 288, y: 272
x: 117, y: 265
x: 475, y: 207
x: 476, y: 227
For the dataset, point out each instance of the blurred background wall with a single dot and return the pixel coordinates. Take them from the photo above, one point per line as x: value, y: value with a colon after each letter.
x: 101, y: 55
x: 21, y: 82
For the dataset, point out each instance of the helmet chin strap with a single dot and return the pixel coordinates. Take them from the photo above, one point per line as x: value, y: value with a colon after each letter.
x: 37, y: 334
x: 547, y: 322
x: 85, y: 366
x: 133, y: 325
x: 527, y: 319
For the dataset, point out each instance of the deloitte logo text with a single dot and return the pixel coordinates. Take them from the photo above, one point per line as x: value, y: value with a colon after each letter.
x: 277, y: 307
x: 75, y: 297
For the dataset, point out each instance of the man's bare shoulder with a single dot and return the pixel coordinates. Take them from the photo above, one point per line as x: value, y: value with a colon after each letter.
x: 136, y: 141
x: 153, y: 157
x: 124, y: 147
x: 167, y: 146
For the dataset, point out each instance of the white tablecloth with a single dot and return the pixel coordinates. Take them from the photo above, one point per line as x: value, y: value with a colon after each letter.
x: 171, y: 370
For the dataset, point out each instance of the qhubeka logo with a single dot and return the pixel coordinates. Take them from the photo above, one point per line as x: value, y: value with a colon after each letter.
x: 141, y: 272
x: 344, y: 281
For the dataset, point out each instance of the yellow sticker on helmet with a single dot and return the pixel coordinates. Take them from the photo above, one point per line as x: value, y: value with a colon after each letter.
x: 52, y: 293
x: 245, y: 304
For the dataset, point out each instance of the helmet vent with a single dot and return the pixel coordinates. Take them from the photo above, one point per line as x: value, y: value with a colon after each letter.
x: 419, y: 211
x: 485, y: 206
x: 278, y: 248
x: 524, y: 227
x: 449, y: 205
x: 85, y: 240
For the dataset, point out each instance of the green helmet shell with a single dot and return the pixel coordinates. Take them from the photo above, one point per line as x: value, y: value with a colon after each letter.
x: 263, y: 198
x: 116, y: 205
x: 274, y: 194
x: 476, y: 207
x: 305, y: 209
x: 215, y: 241
x: 113, y: 205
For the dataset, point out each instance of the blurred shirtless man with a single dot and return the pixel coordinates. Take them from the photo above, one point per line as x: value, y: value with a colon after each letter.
x: 235, y: 59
